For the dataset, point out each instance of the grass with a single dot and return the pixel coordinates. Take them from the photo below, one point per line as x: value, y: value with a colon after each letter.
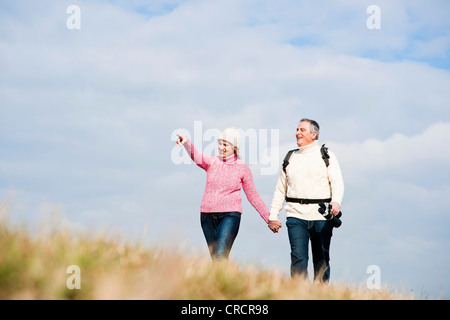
x: 34, y: 267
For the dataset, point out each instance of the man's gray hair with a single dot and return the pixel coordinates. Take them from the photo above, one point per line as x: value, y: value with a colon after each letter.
x: 313, y: 126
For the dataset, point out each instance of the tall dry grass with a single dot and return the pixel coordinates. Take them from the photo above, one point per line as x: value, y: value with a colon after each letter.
x: 34, y: 267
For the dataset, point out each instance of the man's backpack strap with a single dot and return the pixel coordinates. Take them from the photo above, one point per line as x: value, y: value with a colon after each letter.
x: 323, y: 151
x: 325, y: 155
x: 286, y: 159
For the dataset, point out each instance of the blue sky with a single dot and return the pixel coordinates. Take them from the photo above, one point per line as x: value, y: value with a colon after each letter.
x: 87, y: 119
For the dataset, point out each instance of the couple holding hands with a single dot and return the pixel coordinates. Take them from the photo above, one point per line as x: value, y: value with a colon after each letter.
x: 305, y: 182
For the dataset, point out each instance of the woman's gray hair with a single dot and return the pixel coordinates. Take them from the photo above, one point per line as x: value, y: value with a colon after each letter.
x: 313, y: 126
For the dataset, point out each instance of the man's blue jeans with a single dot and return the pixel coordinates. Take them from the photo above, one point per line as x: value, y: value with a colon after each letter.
x: 319, y: 232
x: 220, y: 230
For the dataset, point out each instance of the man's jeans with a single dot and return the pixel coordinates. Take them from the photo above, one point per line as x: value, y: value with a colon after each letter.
x: 220, y: 230
x: 319, y: 232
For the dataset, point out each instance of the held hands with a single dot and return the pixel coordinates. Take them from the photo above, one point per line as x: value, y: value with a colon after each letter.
x: 274, y: 225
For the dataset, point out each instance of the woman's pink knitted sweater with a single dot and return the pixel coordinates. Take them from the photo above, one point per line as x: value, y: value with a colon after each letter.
x: 224, y: 180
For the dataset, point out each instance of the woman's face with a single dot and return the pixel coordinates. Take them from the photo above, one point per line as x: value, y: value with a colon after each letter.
x: 225, y: 149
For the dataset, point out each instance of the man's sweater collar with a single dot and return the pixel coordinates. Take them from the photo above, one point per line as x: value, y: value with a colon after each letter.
x: 310, y: 147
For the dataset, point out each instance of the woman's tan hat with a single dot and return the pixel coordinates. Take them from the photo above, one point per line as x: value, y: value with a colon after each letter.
x: 230, y: 135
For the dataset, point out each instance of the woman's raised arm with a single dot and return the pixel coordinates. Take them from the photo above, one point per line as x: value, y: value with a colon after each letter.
x: 203, y: 161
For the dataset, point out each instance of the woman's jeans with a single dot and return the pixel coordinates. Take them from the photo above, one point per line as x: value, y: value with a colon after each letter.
x: 319, y: 232
x: 220, y: 230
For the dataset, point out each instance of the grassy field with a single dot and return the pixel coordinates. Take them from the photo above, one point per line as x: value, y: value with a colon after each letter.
x: 35, y: 267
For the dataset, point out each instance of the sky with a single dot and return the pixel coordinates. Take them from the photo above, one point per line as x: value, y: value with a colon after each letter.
x: 90, y: 103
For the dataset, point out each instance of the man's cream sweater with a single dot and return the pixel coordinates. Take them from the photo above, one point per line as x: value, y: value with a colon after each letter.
x: 307, y: 177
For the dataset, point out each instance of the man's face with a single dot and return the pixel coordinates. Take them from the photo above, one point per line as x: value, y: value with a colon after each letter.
x: 304, y: 135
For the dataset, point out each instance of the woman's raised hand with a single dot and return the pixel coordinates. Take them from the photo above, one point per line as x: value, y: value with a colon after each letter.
x: 181, y: 140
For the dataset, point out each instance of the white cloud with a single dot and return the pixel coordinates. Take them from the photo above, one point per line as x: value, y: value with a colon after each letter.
x: 398, y: 152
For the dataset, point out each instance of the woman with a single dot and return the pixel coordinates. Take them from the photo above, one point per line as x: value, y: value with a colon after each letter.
x: 221, y: 205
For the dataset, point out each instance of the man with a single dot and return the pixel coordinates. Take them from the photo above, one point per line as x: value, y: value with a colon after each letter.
x: 303, y: 183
